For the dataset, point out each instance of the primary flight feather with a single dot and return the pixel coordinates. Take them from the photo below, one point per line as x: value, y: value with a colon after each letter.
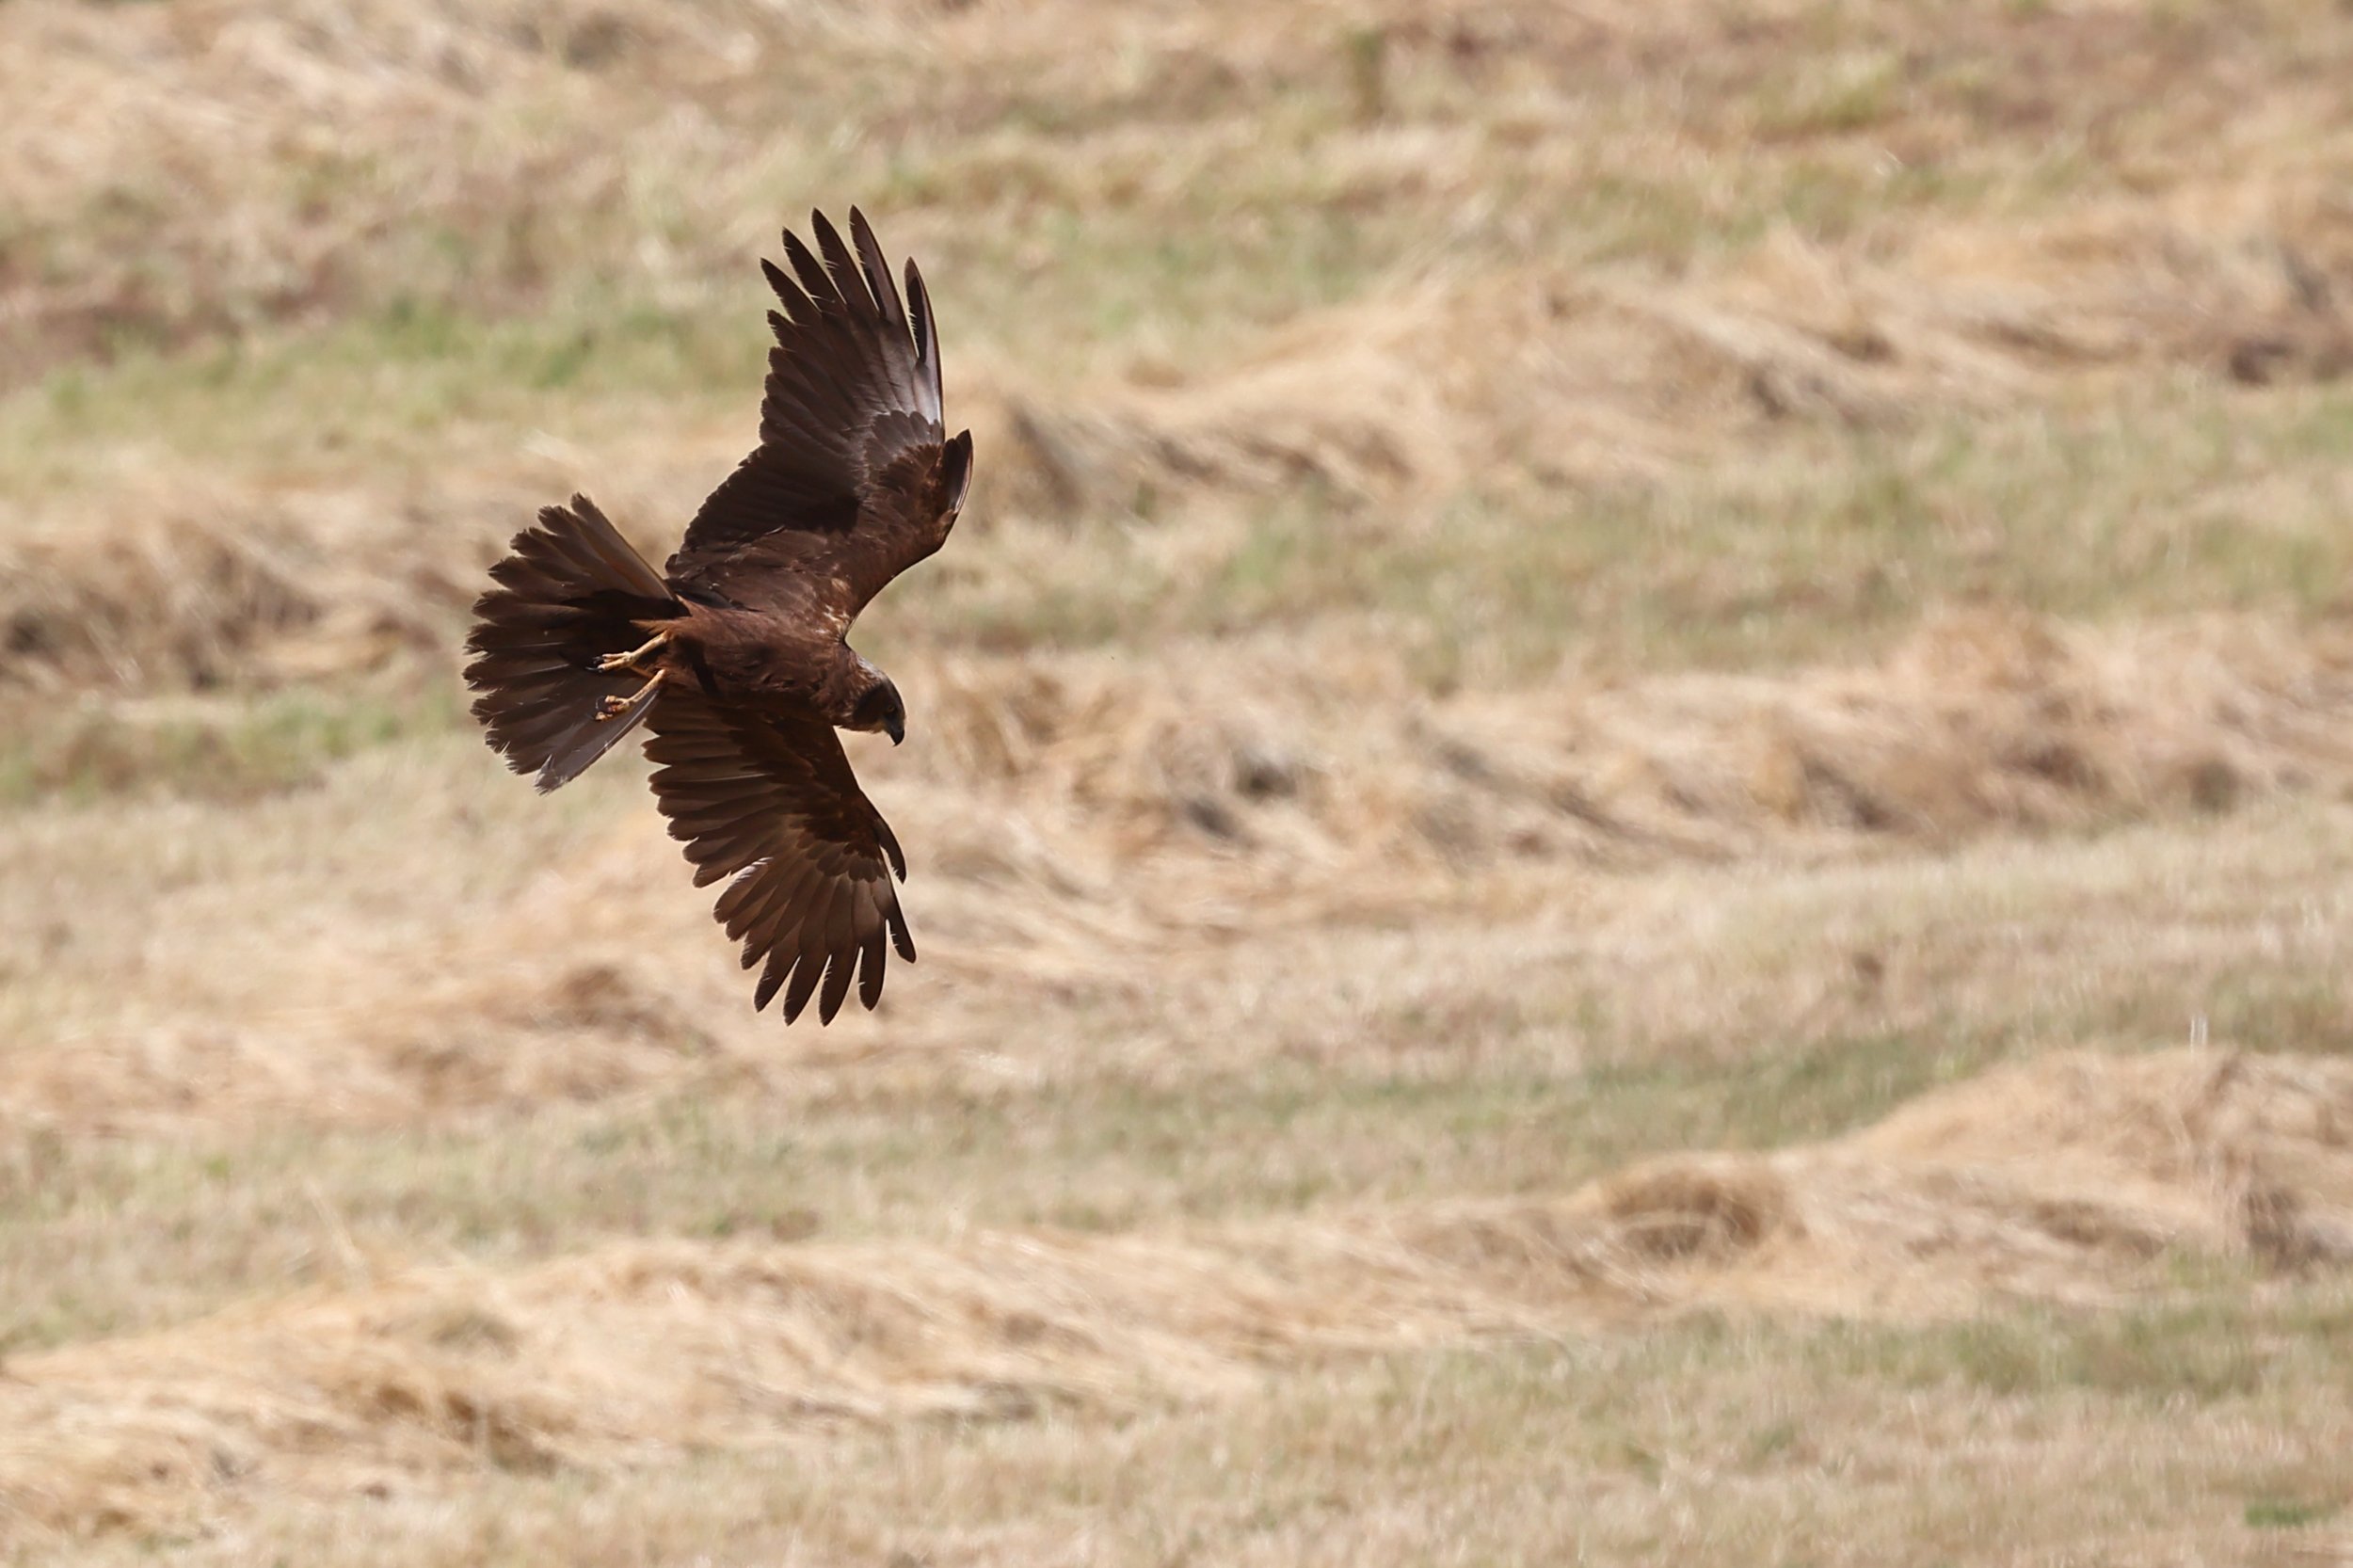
x: 734, y: 655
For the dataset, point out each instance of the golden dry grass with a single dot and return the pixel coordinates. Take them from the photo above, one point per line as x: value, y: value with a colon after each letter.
x: 2074, y: 1179
x: 1632, y: 800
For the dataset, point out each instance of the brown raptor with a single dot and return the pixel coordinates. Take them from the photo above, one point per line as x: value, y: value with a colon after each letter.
x: 733, y: 655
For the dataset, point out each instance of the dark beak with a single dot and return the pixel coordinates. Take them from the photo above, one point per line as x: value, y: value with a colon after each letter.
x: 896, y: 728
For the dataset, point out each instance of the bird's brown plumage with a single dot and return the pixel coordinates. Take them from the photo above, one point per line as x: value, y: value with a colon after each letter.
x: 741, y: 672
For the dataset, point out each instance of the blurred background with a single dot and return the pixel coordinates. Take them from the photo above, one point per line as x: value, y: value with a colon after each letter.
x: 1630, y: 800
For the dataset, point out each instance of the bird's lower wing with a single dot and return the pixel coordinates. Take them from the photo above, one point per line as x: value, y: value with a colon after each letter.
x: 773, y: 807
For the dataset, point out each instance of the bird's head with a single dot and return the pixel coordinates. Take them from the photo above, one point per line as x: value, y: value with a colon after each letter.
x: 881, y: 710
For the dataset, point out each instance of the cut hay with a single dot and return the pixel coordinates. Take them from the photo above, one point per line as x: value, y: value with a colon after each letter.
x: 1109, y: 829
x: 1981, y: 721
x: 2069, y: 1180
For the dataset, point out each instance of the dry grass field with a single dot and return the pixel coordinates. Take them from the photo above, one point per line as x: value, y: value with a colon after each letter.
x: 1631, y: 799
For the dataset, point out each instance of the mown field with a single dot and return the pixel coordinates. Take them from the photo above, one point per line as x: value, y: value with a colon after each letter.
x: 1631, y: 798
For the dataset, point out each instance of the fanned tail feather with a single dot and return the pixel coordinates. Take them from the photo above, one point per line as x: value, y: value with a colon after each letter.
x: 570, y: 591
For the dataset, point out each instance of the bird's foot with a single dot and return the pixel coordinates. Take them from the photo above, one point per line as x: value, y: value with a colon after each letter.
x: 614, y: 707
x: 615, y: 662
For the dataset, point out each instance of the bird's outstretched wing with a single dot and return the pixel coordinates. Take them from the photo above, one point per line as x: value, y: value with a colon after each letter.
x: 773, y: 807
x: 852, y: 482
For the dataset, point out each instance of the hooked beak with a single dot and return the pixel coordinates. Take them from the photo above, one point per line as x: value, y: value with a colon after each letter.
x: 895, y: 728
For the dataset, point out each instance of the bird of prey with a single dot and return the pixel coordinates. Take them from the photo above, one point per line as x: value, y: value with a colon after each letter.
x: 733, y: 655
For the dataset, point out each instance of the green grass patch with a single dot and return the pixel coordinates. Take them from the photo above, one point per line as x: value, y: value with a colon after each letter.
x: 231, y: 750
x: 2276, y: 1514
x: 2219, y: 1341
x: 1802, y: 551
x: 106, y: 1237
x: 378, y: 389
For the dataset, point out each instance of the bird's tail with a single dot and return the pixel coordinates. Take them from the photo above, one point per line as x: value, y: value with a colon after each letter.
x: 570, y: 591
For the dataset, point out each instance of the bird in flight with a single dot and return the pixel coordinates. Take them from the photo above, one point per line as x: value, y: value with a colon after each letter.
x: 733, y: 656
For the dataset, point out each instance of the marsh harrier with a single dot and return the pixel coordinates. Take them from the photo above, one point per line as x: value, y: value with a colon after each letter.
x: 733, y: 655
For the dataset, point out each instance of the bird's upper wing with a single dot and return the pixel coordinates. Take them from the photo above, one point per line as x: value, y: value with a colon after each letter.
x: 852, y: 482
x: 771, y: 806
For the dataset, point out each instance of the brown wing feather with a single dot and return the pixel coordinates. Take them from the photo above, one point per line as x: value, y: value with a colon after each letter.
x: 852, y: 482
x: 773, y: 806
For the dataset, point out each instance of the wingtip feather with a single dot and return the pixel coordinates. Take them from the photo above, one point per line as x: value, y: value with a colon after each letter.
x: 838, y: 972
x: 877, y: 269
